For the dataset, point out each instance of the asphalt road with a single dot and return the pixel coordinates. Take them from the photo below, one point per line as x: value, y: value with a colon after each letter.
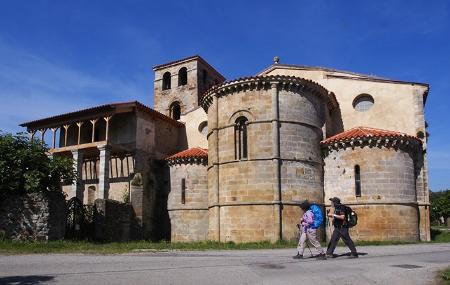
x: 404, y: 264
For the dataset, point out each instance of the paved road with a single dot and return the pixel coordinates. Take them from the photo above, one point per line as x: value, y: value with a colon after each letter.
x: 405, y: 264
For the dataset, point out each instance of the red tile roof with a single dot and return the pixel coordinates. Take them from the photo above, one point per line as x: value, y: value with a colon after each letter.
x: 195, y: 152
x: 365, y: 132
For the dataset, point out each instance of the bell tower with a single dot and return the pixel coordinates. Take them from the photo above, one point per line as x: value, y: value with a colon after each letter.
x: 179, y: 84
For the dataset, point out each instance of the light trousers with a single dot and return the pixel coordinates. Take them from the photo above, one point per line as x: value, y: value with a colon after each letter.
x: 311, y: 235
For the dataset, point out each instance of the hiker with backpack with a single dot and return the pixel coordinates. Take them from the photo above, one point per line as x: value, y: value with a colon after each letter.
x: 312, y: 219
x: 343, y: 218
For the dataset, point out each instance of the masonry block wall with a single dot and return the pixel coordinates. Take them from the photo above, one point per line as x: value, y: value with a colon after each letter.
x: 200, y: 76
x: 387, y: 207
x: 188, y: 211
x: 255, y: 198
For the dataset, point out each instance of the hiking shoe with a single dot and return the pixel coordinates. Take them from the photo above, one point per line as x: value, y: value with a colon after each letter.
x: 298, y: 256
x: 353, y: 255
x: 330, y: 255
x: 321, y: 256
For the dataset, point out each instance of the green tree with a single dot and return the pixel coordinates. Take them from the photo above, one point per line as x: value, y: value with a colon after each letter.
x: 25, y: 166
x: 440, y: 206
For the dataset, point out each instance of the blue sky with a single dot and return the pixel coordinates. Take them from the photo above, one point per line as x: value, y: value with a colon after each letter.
x: 60, y: 56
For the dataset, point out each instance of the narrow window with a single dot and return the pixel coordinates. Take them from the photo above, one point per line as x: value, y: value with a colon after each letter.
x: 240, y: 138
x: 175, y: 111
x: 204, y: 76
x: 183, y: 191
x: 166, y: 81
x: 182, y: 76
x: 357, y: 181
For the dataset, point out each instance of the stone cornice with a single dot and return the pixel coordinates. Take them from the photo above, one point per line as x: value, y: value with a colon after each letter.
x: 406, y: 143
x: 265, y: 82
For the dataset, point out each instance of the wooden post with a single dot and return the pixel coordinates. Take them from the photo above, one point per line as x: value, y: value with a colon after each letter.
x: 93, y: 129
x: 42, y: 131
x: 32, y: 133
x: 107, y: 118
x: 66, y: 127
x: 79, y: 124
x: 54, y: 136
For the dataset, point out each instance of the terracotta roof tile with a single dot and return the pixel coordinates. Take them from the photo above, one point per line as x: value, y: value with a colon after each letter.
x: 195, y: 152
x: 365, y: 132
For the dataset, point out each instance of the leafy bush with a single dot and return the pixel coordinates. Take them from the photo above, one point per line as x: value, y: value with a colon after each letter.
x: 25, y: 166
x: 440, y: 207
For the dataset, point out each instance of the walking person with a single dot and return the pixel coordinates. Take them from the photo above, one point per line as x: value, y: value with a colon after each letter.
x: 308, y: 229
x: 340, y: 229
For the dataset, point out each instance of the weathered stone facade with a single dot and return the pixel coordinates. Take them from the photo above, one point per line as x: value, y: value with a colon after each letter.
x: 268, y: 140
x: 34, y: 216
x: 250, y: 197
x: 188, y: 199
x: 387, y: 206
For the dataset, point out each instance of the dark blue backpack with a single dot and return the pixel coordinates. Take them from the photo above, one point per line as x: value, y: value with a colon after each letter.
x: 318, y: 216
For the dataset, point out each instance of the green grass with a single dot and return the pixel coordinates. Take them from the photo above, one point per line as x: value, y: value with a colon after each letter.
x: 440, y: 235
x: 11, y: 247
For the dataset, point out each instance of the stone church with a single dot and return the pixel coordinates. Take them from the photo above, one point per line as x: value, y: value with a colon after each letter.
x: 230, y: 160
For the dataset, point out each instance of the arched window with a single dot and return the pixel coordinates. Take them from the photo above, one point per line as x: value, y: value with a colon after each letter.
x: 175, y: 111
x: 363, y: 102
x: 203, y: 128
x: 166, y: 81
x: 182, y: 76
x: 357, y: 181
x: 240, y: 138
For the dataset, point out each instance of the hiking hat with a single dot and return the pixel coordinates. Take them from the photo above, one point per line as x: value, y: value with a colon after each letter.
x: 335, y: 200
x: 304, y: 205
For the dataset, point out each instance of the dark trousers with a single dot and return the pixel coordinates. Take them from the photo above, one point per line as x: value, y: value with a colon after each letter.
x: 337, y: 234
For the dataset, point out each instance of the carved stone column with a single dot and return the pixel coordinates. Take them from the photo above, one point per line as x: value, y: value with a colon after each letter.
x: 103, y: 176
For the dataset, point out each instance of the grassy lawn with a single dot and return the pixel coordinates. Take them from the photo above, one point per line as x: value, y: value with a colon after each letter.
x: 10, y: 247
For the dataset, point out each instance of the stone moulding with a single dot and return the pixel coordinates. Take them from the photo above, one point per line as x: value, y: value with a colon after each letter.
x: 265, y: 82
x: 187, y: 160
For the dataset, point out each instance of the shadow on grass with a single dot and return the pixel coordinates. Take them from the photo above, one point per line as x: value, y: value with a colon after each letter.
x: 25, y: 280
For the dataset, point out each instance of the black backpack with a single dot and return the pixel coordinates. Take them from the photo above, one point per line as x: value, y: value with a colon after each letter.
x: 351, y: 218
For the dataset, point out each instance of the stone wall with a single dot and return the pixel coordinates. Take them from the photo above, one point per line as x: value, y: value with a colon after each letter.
x: 387, y: 208
x: 114, y: 221
x: 35, y: 216
x: 389, y: 97
x: 247, y: 190
x: 187, y: 95
x: 189, y: 220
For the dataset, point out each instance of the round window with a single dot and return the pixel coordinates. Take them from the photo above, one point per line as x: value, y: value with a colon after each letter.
x: 363, y: 102
x: 203, y: 128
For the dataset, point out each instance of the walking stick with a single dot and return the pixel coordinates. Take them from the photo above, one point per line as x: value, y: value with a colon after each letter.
x: 309, y: 248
